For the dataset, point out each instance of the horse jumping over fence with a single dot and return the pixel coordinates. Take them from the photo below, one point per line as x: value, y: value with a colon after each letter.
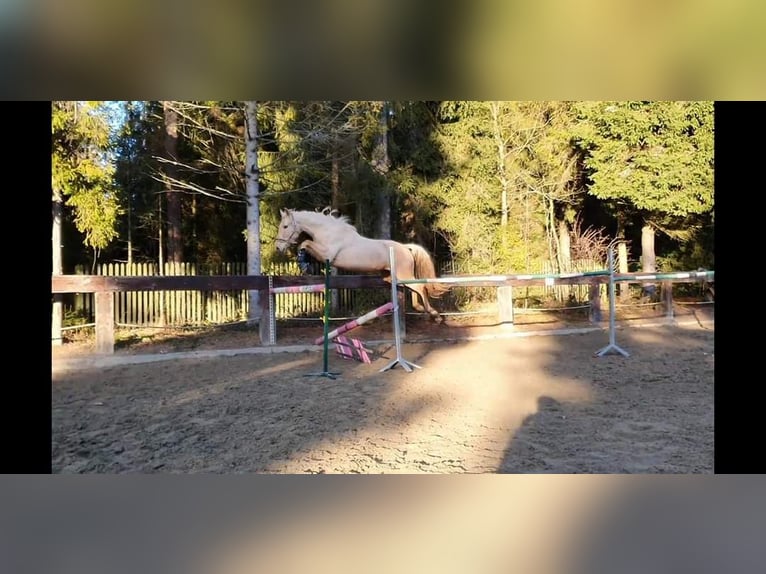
x: 335, y: 239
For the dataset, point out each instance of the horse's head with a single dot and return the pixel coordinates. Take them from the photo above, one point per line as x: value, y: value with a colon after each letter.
x: 288, y: 231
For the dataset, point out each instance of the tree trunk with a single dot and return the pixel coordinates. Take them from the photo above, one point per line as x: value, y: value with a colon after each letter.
x: 95, y: 261
x: 335, y: 175
x: 648, y: 258
x: 382, y: 163
x: 58, y: 269
x: 565, y: 256
x: 502, y: 153
x: 526, y: 231
x: 565, y: 244
x: 195, y: 238
x: 354, y: 176
x: 161, y: 259
x: 130, y: 229
x: 129, y: 186
x: 175, y: 246
x: 334, y: 204
x: 622, y: 267
x: 622, y: 260
x: 253, y: 216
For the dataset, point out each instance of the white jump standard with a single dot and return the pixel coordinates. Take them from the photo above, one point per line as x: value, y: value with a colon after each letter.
x: 399, y: 360
x: 612, y: 346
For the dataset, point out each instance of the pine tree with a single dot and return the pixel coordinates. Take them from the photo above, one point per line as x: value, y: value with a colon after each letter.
x: 653, y: 160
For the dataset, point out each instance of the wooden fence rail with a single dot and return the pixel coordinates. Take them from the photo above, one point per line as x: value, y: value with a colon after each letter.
x: 197, y: 307
x: 105, y: 287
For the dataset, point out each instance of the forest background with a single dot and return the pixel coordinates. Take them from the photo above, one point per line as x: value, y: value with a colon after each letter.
x: 487, y: 186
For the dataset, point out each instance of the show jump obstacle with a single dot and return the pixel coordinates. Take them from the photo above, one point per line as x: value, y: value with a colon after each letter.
x: 353, y: 348
x: 325, y: 372
x: 349, y: 347
x: 104, y: 289
x: 346, y: 346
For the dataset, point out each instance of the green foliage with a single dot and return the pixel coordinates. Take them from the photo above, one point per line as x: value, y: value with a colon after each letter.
x: 82, y: 172
x: 136, y: 143
x: 502, y: 160
x: 656, y: 157
x: 481, y: 184
x: 96, y: 214
x: 694, y: 253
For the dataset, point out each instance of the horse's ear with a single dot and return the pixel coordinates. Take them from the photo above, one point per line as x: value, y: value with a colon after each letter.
x: 282, y: 212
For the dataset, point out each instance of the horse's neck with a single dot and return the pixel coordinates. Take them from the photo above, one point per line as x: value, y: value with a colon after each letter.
x: 318, y: 224
x: 312, y: 224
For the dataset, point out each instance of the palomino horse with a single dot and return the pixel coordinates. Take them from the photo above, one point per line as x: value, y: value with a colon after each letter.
x: 334, y: 238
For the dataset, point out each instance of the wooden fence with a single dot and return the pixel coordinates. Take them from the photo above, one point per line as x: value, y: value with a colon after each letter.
x: 193, y: 308
x: 168, y: 308
x: 104, y: 289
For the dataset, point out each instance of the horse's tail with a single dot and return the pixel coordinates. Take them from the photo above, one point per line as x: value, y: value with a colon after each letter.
x: 425, y: 269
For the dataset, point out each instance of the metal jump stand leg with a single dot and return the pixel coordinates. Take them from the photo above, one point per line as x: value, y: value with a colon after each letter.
x: 612, y: 346
x: 399, y: 360
x: 325, y: 368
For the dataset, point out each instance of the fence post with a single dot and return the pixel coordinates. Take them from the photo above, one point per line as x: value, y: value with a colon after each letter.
x: 57, y: 309
x: 105, y: 322
x: 505, y: 304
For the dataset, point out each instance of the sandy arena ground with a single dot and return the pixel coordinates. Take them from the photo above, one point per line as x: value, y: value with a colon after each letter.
x: 538, y: 404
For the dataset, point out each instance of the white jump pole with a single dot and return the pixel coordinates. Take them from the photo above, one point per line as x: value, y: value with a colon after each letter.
x: 405, y: 364
x: 612, y: 346
x: 382, y: 310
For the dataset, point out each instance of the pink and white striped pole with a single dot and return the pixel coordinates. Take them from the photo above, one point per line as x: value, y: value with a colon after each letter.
x: 298, y: 289
x: 382, y: 310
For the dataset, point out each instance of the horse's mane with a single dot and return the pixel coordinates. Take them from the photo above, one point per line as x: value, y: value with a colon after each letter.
x: 326, y: 217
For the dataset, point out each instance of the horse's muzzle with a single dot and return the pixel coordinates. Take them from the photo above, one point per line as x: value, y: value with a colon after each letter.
x: 282, y: 245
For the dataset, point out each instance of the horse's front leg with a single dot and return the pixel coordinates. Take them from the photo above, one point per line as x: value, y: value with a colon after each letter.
x: 317, y: 250
x: 311, y: 248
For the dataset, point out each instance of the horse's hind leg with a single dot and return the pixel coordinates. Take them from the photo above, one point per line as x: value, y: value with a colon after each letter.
x: 416, y: 301
x: 420, y: 290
